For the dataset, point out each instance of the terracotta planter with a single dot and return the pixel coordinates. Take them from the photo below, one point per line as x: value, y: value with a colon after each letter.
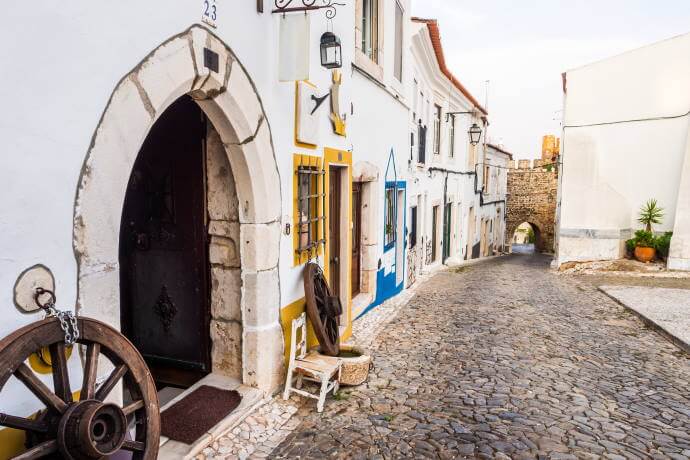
x: 644, y: 254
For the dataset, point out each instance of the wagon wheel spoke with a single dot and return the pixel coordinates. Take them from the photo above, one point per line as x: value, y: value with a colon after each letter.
x: 134, y: 446
x: 133, y: 407
x: 107, y: 386
x: 88, y: 389
x: 60, y: 372
x: 21, y: 423
x: 39, y: 451
x: 38, y: 388
x: 67, y: 428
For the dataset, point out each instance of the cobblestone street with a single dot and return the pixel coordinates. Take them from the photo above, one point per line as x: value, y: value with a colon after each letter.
x: 508, y: 359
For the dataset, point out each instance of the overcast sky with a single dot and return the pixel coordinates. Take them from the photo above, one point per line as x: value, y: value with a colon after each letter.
x: 522, y: 47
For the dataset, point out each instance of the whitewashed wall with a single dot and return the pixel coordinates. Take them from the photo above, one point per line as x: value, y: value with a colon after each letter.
x: 62, y: 63
x: 624, y: 142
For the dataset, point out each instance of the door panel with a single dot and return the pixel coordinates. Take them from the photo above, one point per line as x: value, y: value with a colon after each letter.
x: 163, y: 251
x: 446, y: 231
x: 334, y: 228
x: 434, y: 232
x: 356, y: 237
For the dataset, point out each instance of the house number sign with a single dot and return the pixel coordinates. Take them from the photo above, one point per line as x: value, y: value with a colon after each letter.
x: 210, y: 13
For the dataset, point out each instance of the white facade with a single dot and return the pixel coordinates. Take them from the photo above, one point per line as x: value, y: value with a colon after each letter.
x: 454, y: 220
x: 79, y: 121
x: 625, y: 141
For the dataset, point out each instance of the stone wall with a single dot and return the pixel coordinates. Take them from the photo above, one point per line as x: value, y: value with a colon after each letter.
x: 532, y: 198
x: 226, y: 280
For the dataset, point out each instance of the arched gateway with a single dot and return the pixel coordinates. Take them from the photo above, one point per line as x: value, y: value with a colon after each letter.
x: 237, y: 191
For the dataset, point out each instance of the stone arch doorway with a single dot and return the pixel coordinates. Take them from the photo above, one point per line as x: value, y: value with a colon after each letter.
x: 229, y: 100
x: 526, y: 238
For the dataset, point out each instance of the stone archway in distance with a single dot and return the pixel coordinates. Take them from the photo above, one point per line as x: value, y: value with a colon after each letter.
x: 230, y: 101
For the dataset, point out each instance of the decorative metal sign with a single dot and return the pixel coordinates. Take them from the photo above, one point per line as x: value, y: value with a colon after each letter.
x: 283, y: 6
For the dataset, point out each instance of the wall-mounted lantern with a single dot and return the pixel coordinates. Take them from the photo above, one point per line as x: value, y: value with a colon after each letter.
x: 475, y: 133
x: 331, y: 53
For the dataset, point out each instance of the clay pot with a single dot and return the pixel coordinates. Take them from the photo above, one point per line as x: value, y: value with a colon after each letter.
x: 644, y: 254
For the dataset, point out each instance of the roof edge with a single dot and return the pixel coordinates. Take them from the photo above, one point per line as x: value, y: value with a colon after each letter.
x: 500, y: 149
x: 434, y: 32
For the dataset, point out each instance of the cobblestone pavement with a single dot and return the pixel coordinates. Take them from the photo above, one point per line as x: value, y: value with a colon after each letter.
x: 505, y: 359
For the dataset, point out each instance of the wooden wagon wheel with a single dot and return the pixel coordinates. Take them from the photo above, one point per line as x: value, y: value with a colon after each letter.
x: 322, y: 314
x: 88, y: 428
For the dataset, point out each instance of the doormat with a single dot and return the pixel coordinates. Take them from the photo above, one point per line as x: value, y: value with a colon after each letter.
x: 188, y: 419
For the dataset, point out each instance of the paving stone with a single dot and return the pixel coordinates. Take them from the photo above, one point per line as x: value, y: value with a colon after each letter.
x: 505, y: 358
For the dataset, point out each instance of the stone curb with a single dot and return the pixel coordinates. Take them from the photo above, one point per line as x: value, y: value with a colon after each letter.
x: 675, y: 340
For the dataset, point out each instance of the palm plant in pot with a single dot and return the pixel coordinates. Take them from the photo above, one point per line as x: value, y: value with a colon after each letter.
x: 644, y: 241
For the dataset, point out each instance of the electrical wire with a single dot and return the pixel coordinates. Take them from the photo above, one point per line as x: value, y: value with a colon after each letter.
x: 634, y: 120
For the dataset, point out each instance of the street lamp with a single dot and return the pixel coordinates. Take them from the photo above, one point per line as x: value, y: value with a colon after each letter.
x: 475, y: 133
x: 331, y: 53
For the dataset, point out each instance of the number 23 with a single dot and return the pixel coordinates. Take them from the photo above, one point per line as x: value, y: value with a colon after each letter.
x: 209, y: 10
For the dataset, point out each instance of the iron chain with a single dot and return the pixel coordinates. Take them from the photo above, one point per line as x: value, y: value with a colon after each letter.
x: 68, y: 322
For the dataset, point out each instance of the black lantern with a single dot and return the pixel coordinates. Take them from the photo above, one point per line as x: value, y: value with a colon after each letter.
x: 475, y: 133
x: 331, y: 57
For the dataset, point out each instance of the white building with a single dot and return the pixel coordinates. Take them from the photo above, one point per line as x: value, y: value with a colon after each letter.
x: 449, y: 214
x: 493, y: 199
x: 174, y: 176
x: 625, y: 141
x: 100, y: 191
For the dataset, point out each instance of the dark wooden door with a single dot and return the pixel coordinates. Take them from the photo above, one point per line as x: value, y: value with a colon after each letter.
x: 334, y: 197
x: 163, y: 249
x: 356, y: 236
x: 434, y: 232
x: 446, y: 231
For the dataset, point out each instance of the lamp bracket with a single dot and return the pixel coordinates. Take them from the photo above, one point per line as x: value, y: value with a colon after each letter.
x: 283, y: 6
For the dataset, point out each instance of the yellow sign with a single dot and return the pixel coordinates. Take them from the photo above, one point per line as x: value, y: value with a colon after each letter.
x: 337, y: 120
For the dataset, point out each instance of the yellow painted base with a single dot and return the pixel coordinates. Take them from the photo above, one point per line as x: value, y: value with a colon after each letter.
x: 11, y: 443
x: 292, y: 311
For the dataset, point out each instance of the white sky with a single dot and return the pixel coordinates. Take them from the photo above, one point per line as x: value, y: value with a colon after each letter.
x: 522, y: 47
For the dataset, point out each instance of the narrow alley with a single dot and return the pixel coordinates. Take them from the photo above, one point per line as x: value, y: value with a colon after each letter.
x: 509, y: 358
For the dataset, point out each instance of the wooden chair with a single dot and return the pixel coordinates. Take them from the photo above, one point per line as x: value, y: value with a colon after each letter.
x: 312, y: 366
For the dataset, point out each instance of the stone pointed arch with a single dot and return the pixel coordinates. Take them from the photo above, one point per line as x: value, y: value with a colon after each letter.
x: 231, y: 102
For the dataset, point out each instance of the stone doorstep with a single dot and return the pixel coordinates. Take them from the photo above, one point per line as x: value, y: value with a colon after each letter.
x: 252, y: 399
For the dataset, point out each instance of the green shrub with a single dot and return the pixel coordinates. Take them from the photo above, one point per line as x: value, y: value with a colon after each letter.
x: 663, y: 243
x: 643, y: 239
x: 630, y: 246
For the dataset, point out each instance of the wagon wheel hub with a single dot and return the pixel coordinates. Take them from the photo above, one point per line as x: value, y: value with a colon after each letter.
x: 91, y: 430
x: 87, y: 428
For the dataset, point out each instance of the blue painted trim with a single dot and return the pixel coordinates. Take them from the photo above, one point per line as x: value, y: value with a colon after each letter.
x: 385, y: 284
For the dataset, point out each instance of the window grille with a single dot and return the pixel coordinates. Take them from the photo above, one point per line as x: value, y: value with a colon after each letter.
x: 391, y: 215
x: 311, y: 202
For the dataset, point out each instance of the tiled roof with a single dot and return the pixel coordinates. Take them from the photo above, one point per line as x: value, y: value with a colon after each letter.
x: 435, y: 35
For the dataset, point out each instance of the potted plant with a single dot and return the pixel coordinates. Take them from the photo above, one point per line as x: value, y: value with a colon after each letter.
x: 645, y: 246
x: 644, y: 241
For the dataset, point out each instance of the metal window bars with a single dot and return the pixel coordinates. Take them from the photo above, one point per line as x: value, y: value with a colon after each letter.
x: 311, y: 220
